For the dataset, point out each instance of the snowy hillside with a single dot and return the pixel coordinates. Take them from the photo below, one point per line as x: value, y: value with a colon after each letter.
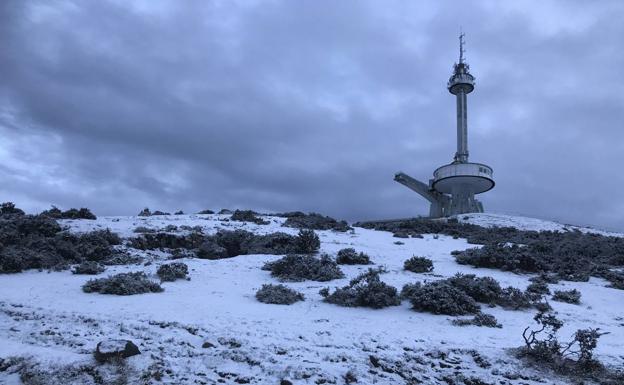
x: 211, y: 329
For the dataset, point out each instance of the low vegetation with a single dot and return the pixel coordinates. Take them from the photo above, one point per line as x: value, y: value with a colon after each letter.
x: 56, y: 213
x: 313, y: 221
x: 418, y: 265
x: 248, y: 216
x: 366, y: 290
x: 172, y: 271
x: 566, y: 255
x: 349, y: 256
x: 569, y: 296
x: 296, y: 267
x: 123, y: 284
x: 88, y: 268
x: 440, y: 297
x: 278, y: 295
x: 227, y: 244
x: 574, y: 358
x: 481, y: 320
x: 39, y: 242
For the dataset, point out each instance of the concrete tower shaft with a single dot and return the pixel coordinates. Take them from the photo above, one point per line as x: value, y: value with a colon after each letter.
x: 461, y: 84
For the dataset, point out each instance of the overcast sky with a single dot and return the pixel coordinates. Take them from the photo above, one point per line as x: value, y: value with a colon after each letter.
x: 309, y: 105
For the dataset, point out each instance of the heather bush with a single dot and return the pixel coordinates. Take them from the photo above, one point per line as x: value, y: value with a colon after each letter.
x: 349, y: 256
x: 569, y: 296
x: 56, y: 213
x: 538, y: 288
x: 172, y: 271
x: 313, y: 221
x: 440, y: 297
x: 304, y: 267
x: 89, y: 268
x: 568, y: 255
x: 481, y: 319
x: 38, y: 242
x: 418, y: 265
x: 307, y: 241
x: 278, y: 295
x: 514, y: 299
x: 248, y: 216
x: 481, y: 289
x: 122, y: 284
x: 366, y: 290
x: 8, y: 208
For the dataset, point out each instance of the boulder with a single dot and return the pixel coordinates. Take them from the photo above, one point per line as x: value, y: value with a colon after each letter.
x: 111, y: 349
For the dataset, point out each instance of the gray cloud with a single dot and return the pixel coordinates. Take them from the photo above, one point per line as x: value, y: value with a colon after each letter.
x: 309, y: 105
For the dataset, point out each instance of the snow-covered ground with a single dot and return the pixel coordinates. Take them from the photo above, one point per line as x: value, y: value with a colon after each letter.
x: 46, y: 316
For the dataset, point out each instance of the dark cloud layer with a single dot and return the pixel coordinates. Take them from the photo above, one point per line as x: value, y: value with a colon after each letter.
x: 309, y: 105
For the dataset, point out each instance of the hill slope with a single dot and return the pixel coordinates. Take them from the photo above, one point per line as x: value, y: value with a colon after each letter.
x: 211, y: 329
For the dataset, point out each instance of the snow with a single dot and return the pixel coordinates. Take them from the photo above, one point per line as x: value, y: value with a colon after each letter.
x: 46, y: 315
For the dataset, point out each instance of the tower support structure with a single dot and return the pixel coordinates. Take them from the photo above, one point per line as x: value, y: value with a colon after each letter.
x: 453, y: 187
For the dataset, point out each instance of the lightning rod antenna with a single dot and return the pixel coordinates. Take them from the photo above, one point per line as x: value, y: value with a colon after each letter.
x: 461, y: 46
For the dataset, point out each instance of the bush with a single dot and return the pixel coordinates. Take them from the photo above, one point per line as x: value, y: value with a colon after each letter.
x: 206, y: 212
x: 55, y: 213
x: 568, y: 255
x: 172, y: 271
x: 569, y: 296
x: 227, y: 244
x: 307, y: 241
x: 350, y: 257
x: 313, y: 221
x: 481, y: 319
x: 482, y: 289
x: 418, y: 265
x: 366, y: 290
x: 515, y: 299
x: 248, y: 216
x: 304, y: 267
x: 278, y: 295
x: 440, y: 298
x: 122, y: 284
x: 538, y: 288
x: 89, y: 268
x: 38, y: 242
x: 8, y: 208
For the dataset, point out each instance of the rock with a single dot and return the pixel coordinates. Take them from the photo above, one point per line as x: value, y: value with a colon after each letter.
x: 108, y: 350
x: 211, y: 250
x: 207, y: 345
x: 285, y: 382
x: 225, y: 211
x: 145, y: 212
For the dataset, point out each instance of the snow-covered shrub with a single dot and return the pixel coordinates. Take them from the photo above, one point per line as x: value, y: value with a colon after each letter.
x: 88, y: 268
x: 278, y: 295
x: 8, y: 208
x: 248, y: 216
x: 304, y: 267
x: 481, y: 319
x: 538, y: 288
x: 313, y: 221
x: 349, y: 256
x: 418, y: 265
x: 83, y: 213
x: 307, y: 241
x: 38, y: 242
x: 440, y: 297
x: 481, y: 289
x: 569, y: 296
x: 172, y: 271
x: 499, y: 256
x: 515, y: 299
x: 144, y: 230
x: 615, y: 278
x: 366, y: 290
x: 122, y: 284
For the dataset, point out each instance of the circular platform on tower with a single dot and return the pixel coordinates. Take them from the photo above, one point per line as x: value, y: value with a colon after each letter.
x: 475, y: 176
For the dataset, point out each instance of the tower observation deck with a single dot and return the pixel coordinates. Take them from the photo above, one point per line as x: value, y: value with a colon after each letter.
x: 453, y: 187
